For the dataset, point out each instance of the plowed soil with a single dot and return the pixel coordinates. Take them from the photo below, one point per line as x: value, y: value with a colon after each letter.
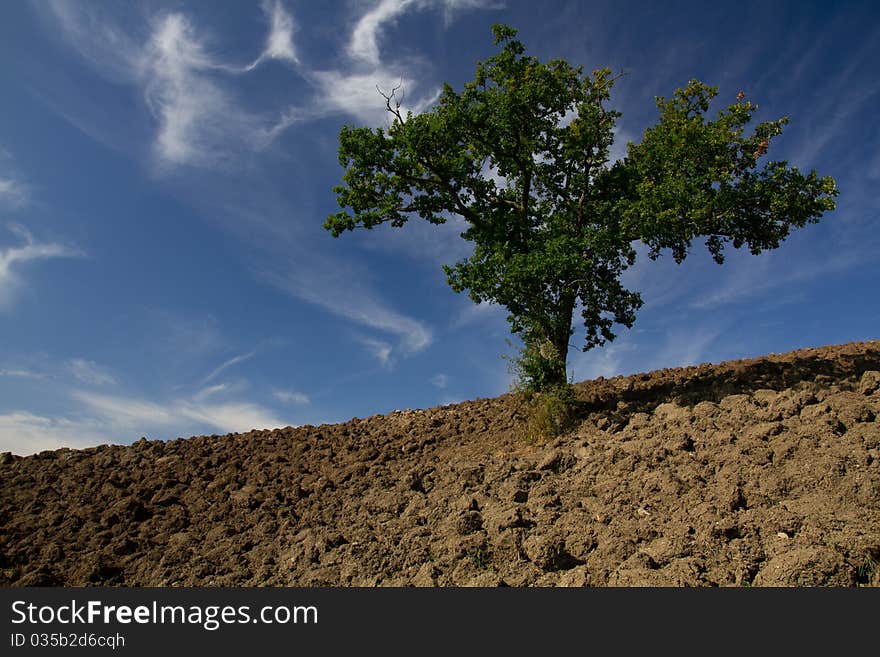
x: 755, y: 472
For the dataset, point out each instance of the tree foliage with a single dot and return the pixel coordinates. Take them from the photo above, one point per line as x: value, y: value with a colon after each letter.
x: 522, y: 153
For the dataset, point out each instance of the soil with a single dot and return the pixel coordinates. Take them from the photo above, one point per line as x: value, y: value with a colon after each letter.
x: 755, y: 472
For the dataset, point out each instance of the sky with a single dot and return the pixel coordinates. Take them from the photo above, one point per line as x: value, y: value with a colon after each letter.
x: 166, y: 168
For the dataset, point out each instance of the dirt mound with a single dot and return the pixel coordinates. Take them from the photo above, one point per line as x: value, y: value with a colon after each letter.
x: 761, y: 472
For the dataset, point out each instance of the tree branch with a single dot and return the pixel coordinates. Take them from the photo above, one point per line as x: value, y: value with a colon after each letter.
x: 392, y: 97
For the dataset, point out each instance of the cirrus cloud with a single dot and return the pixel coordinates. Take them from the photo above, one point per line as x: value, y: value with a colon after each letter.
x: 12, y: 258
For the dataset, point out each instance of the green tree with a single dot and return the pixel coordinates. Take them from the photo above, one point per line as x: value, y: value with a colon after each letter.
x: 522, y: 154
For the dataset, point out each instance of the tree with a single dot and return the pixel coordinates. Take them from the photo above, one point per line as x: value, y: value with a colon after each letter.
x: 522, y: 154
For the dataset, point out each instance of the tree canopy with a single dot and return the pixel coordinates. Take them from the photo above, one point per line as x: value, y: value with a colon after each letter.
x: 522, y: 154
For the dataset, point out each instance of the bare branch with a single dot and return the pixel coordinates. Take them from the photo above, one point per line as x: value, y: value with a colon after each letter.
x: 392, y: 98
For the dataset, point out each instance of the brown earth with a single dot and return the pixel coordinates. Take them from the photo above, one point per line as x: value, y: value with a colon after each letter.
x: 754, y: 472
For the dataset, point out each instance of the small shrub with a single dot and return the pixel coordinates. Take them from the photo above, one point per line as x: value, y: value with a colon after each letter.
x: 551, y: 413
x: 538, y: 365
x: 551, y: 405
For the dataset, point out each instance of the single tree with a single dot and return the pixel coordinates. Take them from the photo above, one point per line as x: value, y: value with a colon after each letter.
x: 522, y: 154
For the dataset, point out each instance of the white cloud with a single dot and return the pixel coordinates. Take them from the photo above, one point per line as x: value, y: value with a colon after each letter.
x: 112, y: 419
x: 414, y: 335
x: 828, y: 116
x: 227, y: 364
x: 291, y: 397
x: 122, y: 411
x: 195, y: 115
x: 25, y: 433
x: 422, y: 242
x: 358, y: 94
x: 364, y: 43
x: 12, y: 192
x: 22, y: 374
x: 355, y: 92
x: 451, y: 6
x: 232, y: 416
x: 90, y: 372
x: 136, y: 415
x: 747, y: 276
x: 379, y: 349
x: 630, y: 352
x: 684, y: 347
x: 279, y: 43
x: 440, y: 381
x: 210, y: 391
x: 489, y: 172
x: 199, y: 122
x: 15, y: 256
x: 606, y: 361
x: 340, y: 291
x: 113, y: 53
x: 183, y: 335
x: 618, y: 148
x: 471, y: 313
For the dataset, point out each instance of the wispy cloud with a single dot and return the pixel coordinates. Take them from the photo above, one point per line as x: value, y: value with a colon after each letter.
x: 420, y: 241
x: 358, y: 94
x: 210, y: 391
x: 364, y: 43
x: 117, y: 418
x: 604, y: 361
x: 472, y: 313
x: 23, y: 374
x: 379, y: 349
x: 12, y: 192
x: 291, y: 397
x: 834, y: 118
x: 748, y: 277
x: 89, y: 372
x: 112, y: 51
x: 279, y: 43
x: 440, y: 381
x: 685, y: 346
x: 199, y: 121
x: 25, y: 433
x: 451, y: 7
x: 235, y: 360
x: 15, y: 256
x: 490, y: 172
x: 619, y: 146
x: 677, y: 346
x: 202, y: 121
x: 344, y: 294
x: 182, y: 335
x: 137, y: 415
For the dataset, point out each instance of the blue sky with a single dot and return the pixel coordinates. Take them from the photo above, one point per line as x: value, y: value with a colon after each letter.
x: 165, y: 168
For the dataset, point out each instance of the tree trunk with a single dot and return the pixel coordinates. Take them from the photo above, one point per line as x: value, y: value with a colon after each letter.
x: 561, y: 335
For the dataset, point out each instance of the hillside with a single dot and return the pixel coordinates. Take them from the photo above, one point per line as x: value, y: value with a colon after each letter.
x: 754, y: 472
